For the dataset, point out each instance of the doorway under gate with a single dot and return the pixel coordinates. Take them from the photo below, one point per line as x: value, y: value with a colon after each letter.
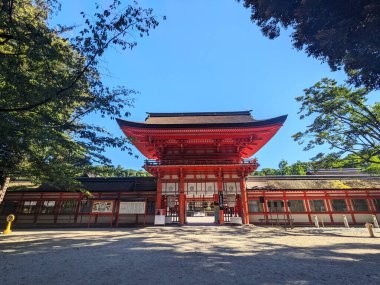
x: 200, y: 211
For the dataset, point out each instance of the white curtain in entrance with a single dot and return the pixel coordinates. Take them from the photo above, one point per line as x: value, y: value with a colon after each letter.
x: 169, y: 188
x: 200, y: 188
x: 211, y: 188
x: 231, y: 188
x: 191, y: 188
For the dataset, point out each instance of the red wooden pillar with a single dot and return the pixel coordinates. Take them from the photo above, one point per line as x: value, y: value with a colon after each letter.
x: 244, y: 202
x: 265, y: 206
x: 220, y: 192
x: 287, y: 212
x: 371, y: 204
x: 159, y: 194
x: 118, y: 209
x: 77, y: 208
x: 307, y: 207
x: 182, y: 202
x: 350, y: 206
x: 329, y: 206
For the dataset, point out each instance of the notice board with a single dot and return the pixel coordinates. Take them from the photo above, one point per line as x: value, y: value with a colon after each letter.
x: 132, y: 208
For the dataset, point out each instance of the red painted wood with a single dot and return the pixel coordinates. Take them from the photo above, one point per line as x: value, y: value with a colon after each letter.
x: 159, y: 194
x: 244, y: 202
x: 307, y: 208
x: 182, y: 202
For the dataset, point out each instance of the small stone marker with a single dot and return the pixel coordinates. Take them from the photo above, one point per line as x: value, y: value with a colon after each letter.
x: 375, y: 223
x: 316, y: 222
x: 345, y: 221
x: 369, y: 226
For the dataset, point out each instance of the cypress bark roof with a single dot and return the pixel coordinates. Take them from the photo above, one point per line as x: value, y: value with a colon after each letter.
x: 313, y: 182
x: 200, y: 118
x: 307, y: 182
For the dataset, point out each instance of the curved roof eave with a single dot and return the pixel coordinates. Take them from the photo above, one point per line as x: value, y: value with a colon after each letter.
x: 259, y: 123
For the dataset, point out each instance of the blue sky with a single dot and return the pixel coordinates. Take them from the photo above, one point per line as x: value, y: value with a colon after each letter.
x: 209, y: 56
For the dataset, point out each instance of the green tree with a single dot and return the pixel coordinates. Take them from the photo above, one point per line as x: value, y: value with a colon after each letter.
x: 341, y: 119
x: 111, y: 171
x: 267, y: 172
x: 49, y: 83
x: 298, y: 168
x: 284, y: 167
x: 343, y: 33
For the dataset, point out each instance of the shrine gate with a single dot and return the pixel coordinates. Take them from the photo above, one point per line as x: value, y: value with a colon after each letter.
x: 201, y: 160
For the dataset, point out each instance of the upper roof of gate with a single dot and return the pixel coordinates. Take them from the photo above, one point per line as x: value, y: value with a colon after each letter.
x: 200, y: 118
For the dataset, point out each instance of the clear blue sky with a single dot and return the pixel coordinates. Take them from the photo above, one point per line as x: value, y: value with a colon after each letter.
x: 209, y: 56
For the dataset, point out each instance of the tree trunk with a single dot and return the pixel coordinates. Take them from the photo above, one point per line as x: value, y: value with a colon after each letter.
x: 3, y: 187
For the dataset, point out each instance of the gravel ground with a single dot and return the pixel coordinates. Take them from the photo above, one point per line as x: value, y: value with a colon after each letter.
x: 190, y: 255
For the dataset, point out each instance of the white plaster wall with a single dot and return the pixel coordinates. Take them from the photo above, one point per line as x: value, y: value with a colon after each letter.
x: 325, y: 217
x: 338, y: 218
x: 255, y: 218
x: 300, y: 218
x: 363, y: 218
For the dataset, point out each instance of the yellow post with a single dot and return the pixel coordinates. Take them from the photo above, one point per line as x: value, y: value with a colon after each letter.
x: 10, y: 219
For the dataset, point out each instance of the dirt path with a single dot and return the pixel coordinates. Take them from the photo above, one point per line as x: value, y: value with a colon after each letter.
x: 190, y: 255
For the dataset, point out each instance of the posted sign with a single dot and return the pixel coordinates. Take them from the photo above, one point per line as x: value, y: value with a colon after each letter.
x: 132, y: 208
x: 102, y: 207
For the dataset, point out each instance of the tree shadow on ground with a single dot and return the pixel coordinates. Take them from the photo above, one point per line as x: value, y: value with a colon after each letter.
x: 186, y: 255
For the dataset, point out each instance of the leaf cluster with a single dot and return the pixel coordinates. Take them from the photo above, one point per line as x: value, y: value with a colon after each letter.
x: 49, y: 83
x: 298, y: 168
x: 341, y: 119
x: 330, y: 161
x: 343, y: 33
x: 112, y: 171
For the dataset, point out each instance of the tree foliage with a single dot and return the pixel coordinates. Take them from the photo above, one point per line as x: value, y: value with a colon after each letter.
x: 343, y: 33
x: 341, y: 119
x: 328, y: 162
x: 49, y: 83
x: 111, y: 171
x: 298, y: 168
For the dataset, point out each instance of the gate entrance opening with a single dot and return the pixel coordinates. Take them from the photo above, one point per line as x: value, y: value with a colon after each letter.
x: 200, y: 212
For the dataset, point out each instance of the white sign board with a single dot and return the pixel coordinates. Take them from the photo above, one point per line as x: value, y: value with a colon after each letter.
x: 159, y: 220
x: 236, y: 220
x: 132, y: 208
x: 102, y: 207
